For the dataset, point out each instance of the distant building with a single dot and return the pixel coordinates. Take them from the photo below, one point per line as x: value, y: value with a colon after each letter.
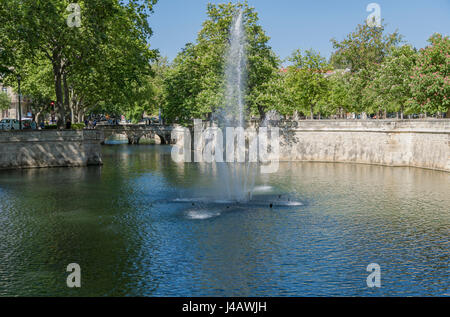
x: 13, y: 111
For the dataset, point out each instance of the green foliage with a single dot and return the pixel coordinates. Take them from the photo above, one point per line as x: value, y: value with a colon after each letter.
x: 107, y: 66
x: 5, y: 101
x: 363, y: 48
x: 391, y: 87
x: 37, y: 82
x: 273, y: 95
x: 363, y: 51
x: 338, y: 97
x: 160, y: 68
x: 430, y: 82
x: 78, y: 126
x: 194, y: 84
x: 100, y: 63
x: 306, y: 82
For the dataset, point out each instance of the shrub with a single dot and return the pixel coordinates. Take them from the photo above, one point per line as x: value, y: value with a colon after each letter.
x: 78, y: 126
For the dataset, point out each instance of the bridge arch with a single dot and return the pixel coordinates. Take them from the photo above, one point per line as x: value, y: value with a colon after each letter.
x: 135, y: 133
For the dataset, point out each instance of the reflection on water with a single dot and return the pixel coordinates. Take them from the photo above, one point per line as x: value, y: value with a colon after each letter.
x: 121, y: 224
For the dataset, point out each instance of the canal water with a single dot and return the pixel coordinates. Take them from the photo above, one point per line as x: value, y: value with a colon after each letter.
x: 137, y: 227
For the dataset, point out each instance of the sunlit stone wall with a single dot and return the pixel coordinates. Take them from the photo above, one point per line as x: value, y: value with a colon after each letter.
x: 50, y: 148
x: 424, y: 143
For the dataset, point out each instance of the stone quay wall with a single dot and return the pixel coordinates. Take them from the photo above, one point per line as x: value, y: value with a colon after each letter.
x: 50, y: 148
x: 415, y: 143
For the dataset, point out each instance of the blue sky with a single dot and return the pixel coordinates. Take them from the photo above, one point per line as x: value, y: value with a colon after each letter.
x: 294, y: 24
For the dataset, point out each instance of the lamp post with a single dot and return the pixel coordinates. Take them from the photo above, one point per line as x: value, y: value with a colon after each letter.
x: 19, y: 78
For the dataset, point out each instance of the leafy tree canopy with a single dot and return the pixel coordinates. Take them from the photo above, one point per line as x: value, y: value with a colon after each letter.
x: 5, y: 101
x: 430, y: 81
x: 195, y: 84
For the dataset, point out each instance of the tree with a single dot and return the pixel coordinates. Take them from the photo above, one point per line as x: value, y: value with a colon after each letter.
x: 392, y: 81
x: 160, y: 68
x: 195, y: 83
x: 273, y: 95
x: 363, y: 48
x: 5, y: 101
x: 362, y: 51
x: 306, y: 81
x: 430, y: 82
x: 338, y: 98
x: 110, y: 43
x: 182, y: 86
x: 37, y: 84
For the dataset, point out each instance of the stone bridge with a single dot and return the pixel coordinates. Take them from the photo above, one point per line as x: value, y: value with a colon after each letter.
x: 135, y: 132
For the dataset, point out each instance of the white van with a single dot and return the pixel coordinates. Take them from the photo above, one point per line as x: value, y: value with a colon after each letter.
x: 9, y: 124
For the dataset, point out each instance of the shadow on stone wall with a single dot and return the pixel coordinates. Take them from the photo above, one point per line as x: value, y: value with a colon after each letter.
x: 33, y: 149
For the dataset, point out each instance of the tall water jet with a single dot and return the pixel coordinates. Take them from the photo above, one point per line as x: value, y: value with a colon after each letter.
x: 233, y: 112
x: 238, y: 178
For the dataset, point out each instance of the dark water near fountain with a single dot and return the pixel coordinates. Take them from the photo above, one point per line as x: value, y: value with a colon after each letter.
x: 137, y: 227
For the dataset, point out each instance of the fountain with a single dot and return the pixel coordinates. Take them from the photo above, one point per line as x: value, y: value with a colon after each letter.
x: 234, y: 181
x: 238, y: 178
x: 232, y: 113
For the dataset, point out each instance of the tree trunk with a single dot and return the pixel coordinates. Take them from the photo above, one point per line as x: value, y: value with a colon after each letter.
x: 262, y: 113
x: 448, y: 113
x: 80, y: 115
x: 59, y: 107
x: 81, y: 111
x: 312, y: 112
x: 37, y: 117
x: 67, y: 100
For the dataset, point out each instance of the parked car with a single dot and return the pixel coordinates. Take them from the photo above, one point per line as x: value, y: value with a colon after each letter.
x: 26, y: 123
x: 9, y: 124
x: 150, y: 121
